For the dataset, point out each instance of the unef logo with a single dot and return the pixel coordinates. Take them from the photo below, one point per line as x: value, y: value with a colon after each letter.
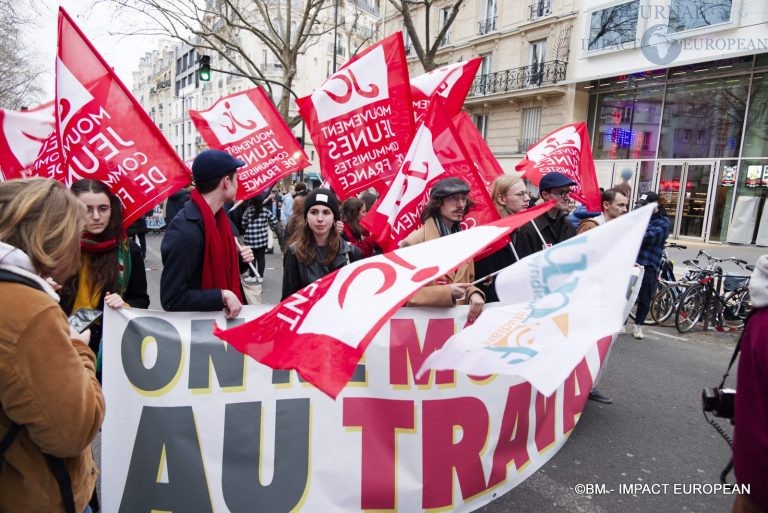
x: 234, y: 118
x: 361, y: 83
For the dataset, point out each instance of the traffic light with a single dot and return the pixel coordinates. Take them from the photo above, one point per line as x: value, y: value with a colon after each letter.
x: 204, y: 70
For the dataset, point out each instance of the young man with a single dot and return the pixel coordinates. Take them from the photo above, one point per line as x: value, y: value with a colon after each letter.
x: 553, y: 226
x: 201, y: 270
x: 448, y: 203
x: 614, y: 204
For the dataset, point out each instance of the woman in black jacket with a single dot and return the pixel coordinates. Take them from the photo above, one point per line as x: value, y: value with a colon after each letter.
x: 317, y: 248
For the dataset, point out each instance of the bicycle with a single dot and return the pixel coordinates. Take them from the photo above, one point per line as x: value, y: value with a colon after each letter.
x: 666, y: 274
x: 720, y: 300
x: 665, y: 301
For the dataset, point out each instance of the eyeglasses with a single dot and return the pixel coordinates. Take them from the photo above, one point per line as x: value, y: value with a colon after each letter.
x: 101, y: 209
x: 560, y: 193
x: 520, y: 194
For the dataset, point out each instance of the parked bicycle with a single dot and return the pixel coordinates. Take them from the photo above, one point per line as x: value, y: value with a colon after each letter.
x: 666, y: 275
x: 721, y: 301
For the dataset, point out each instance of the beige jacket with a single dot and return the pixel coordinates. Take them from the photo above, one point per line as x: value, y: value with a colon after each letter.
x: 48, y: 386
x: 438, y: 292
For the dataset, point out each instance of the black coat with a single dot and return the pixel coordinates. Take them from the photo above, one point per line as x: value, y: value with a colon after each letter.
x: 553, y: 229
x: 174, y: 204
x: 182, y: 250
x: 492, y: 263
x: 296, y: 275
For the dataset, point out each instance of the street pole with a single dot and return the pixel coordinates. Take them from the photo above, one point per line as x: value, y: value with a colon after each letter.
x: 183, y: 99
x: 335, y: 30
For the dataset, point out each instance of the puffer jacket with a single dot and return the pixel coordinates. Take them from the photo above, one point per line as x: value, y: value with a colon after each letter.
x: 48, y: 386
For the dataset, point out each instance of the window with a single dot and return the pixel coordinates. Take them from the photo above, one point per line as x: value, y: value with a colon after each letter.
x: 442, y: 19
x: 613, y: 26
x: 481, y: 122
x: 693, y: 14
x: 531, y: 125
x: 488, y: 23
x: 537, y: 52
x: 485, y: 78
x: 406, y: 40
x: 540, y: 8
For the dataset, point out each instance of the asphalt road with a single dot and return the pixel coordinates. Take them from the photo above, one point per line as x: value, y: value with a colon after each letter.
x: 654, y: 433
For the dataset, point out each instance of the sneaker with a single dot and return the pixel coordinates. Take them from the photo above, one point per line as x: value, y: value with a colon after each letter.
x: 598, y: 396
x: 637, y: 331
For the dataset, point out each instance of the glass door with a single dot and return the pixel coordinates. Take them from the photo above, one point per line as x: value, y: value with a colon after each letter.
x: 693, y: 210
x: 670, y: 178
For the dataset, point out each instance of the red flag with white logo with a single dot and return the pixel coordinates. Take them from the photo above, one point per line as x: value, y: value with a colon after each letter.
x: 451, y: 83
x: 22, y: 136
x: 360, y: 119
x: 482, y: 156
x: 436, y: 152
x: 323, y: 330
x: 567, y: 151
x: 248, y: 126
x: 103, y: 133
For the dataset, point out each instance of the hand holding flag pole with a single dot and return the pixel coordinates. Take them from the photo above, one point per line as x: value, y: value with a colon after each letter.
x: 240, y: 247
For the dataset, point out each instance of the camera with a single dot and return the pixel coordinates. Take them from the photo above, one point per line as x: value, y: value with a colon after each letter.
x: 718, y: 401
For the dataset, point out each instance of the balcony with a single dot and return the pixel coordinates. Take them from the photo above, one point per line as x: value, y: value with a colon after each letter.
x: 539, y: 9
x: 526, y: 77
x: 524, y: 144
x: 486, y: 26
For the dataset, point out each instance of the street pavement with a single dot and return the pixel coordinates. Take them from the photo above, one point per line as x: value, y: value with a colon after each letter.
x: 653, y: 434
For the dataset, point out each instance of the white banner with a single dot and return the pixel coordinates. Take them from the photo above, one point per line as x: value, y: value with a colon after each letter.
x: 194, y: 426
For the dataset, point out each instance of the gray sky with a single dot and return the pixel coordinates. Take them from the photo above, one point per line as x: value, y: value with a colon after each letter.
x: 96, y: 21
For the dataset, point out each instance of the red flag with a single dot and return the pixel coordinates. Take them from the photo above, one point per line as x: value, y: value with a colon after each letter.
x: 450, y: 82
x: 360, y: 119
x: 323, y: 330
x: 436, y: 152
x: 482, y: 156
x: 247, y: 125
x: 21, y: 138
x: 567, y: 151
x: 105, y: 134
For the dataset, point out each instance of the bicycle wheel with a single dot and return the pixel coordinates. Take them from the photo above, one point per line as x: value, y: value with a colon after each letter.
x: 735, y: 310
x: 691, y: 308
x: 665, y: 302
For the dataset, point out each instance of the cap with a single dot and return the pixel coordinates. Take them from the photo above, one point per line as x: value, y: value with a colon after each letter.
x: 212, y: 164
x: 447, y: 186
x: 647, y: 197
x: 554, y: 180
x: 322, y: 197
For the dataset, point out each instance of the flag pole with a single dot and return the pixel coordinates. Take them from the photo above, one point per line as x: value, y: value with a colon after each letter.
x: 250, y: 264
x: 538, y: 232
x: 237, y: 204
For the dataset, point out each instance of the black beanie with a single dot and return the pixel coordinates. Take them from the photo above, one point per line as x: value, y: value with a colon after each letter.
x: 322, y: 197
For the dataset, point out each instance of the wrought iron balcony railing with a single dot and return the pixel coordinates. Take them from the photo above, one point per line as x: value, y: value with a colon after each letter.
x: 524, y: 144
x: 534, y: 75
x: 486, y: 26
x: 540, y: 8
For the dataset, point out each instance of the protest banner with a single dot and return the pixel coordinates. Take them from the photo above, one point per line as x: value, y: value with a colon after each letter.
x: 360, y: 119
x: 194, y: 426
x: 481, y: 155
x: 248, y: 126
x: 565, y: 150
x: 103, y: 133
x: 22, y: 134
x: 436, y: 152
x: 451, y: 83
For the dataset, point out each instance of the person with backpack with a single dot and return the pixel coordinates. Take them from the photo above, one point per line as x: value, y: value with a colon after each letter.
x: 51, y: 404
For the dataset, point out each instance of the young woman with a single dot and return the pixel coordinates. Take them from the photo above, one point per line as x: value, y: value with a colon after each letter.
x: 510, y: 196
x: 111, y: 268
x: 50, y: 397
x: 352, y: 211
x: 255, y: 224
x: 317, y: 248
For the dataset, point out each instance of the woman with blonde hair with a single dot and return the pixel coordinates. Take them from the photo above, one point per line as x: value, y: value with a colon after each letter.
x: 51, y: 405
x: 510, y: 196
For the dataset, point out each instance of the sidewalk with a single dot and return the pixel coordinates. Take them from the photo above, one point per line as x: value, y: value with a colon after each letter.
x: 745, y: 252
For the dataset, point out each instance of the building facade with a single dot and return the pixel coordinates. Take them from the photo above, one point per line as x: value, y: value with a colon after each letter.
x: 677, y: 103
x: 520, y: 93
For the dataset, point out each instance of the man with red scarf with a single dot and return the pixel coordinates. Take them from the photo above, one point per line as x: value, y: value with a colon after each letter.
x: 201, y: 268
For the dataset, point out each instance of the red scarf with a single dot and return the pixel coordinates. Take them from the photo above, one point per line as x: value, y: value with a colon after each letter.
x: 89, y: 244
x: 221, y: 266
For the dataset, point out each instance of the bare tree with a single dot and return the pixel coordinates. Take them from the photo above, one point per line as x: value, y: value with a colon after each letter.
x: 357, y: 34
x: 286, y: 28
x: 426, y: 49
x: 19, y: 73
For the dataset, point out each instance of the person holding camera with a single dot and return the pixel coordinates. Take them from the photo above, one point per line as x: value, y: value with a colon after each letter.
x: 750, y: 419
x: 51, y: 404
